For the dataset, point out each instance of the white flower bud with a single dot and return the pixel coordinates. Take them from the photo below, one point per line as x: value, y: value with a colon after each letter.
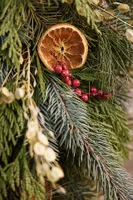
x: 129, y: 35
x: 30, y: 135
x: 39, y: 149
x: 19, y: 93
x: 123, y: 8
x: 42, y: 138
x: 5, y: 92
x: 49, y: 154
x: 55, y: 174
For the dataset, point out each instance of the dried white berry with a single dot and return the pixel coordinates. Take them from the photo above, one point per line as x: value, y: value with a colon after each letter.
x: 39, y: 149
x: 129, y: 35
x: 55, y: 174
x: 19, y: 93
x: 49, y: 155
x: 123, y: 8
x: 42, y: 138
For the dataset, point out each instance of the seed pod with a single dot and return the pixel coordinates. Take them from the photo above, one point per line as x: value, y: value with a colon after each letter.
x: 9, y: 99
x: 123, y: 8
x: 5, y: 92
x: 39, y: 149
x: 30, y: 135
x: 42, y: 138
x: 19, y: 93
x: 55, y: 174
x: 49, y: 154
x: 129, y: 35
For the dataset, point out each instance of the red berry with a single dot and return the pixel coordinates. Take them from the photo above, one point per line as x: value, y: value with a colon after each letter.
x: 99, y: 97
x: 78, y: 91
x: 58, y: 69
x: 66, y: 79
x: 93, y: 90
x: 70, y: 75
x: 105, y: 95
x: 76, y: 83
x: 69, y: 82
x: 65, y: 72
x: 84, y: 97
x: 64, y: 66
x: 99, y: 92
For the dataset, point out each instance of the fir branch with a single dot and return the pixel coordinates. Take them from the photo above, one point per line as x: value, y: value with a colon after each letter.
x: 113, y: 118
x: 86, y: 140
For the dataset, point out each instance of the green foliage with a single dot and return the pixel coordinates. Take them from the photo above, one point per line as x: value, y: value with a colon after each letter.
x: 93, y: 135
x: 12, y: 126
x: 17, y: 178
x: 113, y: 118
x: 85, y: 138
x: 11, y: 18
x: 40, y: 77
x: 86, y: 9
x: 76, y: 184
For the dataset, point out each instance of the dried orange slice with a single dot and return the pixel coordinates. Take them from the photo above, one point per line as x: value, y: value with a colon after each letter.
x: 63, y: 42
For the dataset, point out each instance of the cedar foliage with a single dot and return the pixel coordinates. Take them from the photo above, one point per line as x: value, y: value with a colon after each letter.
x: 92, y: 137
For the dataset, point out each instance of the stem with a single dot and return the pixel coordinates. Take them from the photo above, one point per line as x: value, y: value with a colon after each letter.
x: 6, y: 78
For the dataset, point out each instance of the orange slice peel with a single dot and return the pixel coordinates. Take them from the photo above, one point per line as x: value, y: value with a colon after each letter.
x: 63, y: 42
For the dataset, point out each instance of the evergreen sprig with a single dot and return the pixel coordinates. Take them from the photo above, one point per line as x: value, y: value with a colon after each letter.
x: 12, y: 126
x: 11, y: 18
x: 85, y: 139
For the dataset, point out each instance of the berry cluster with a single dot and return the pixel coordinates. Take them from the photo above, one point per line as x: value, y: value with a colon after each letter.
x: 61, y: 69
x: 99, y: 94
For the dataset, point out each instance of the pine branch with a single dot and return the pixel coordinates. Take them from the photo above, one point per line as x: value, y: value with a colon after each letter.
x: 113, y: 118
x: 86, y: 139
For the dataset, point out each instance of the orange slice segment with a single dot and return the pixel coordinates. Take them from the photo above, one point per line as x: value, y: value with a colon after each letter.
x: 63, y: 42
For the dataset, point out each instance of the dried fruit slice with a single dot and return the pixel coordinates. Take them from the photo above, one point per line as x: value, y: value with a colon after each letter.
x: 63, y: 42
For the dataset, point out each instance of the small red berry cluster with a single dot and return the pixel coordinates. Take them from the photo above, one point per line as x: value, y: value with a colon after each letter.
x: 75, y: 83
x: 99, y: 94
